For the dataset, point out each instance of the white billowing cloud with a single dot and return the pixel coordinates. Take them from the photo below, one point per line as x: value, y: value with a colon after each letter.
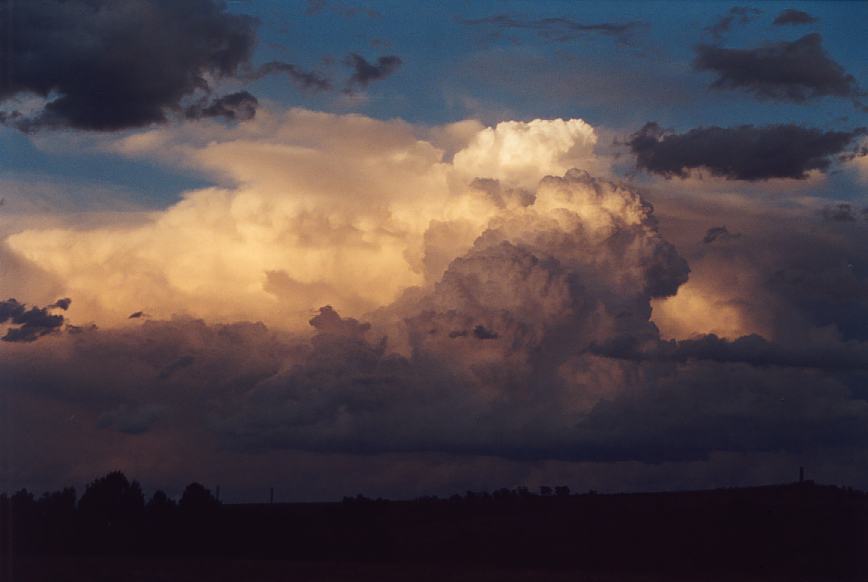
x: 524, y: 152
x: 312, y: 208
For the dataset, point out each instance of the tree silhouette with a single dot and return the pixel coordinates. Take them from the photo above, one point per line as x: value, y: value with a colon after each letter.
x: 198, y: 499
x: 112, y: 498
x: 112, y: 508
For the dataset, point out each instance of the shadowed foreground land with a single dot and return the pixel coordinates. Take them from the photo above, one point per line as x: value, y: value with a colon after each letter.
x: 800, y: 531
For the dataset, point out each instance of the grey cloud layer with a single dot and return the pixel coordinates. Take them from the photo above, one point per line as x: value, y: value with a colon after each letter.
x: 559, y: 29
x: 789, y: 70
x: 794, y: 17
x: 745, y: 152
x: 118, y: 64
x: 114, y: 64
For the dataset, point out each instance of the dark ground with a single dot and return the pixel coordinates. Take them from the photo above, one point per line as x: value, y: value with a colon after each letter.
x: 788, y: 532
x: 102, y: 569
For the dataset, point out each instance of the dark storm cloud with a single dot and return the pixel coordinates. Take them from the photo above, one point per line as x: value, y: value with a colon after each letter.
x: 365, y: 72
x: 483, y: 333
x: 750, y: 349
x: 309, y: 80
x: 240, y: 106
x: 32, y: 323
x: 792, y: 71
x: 793, y: 17
x: 745, y: 152
x: 559, y: 29
x: 179, y: 364
x: 718, y: 233
x: 735, y: 15
x: 115, y: 64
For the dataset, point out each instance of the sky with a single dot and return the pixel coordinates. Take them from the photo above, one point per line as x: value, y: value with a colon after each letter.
x: 414, y: 248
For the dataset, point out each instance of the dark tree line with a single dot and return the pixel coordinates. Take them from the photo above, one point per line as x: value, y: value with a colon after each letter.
x: 780, y: 530
x: 111, y: 517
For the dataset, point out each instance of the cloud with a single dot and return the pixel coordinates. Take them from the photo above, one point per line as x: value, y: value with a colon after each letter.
x: 794, y: 17
x: 751, y: 349
x: 523, y: 152
x: 745, y: 152
x: 736, y: 14
x: 559, y: 29
x: 843, y: 212
x: 345, y: 9
x: 792, y: 276
x: 311, y: 80
x: 240, y: 106
x: 286, y: 233
x: 796, y: 70
x: 718, y: 233
x: 161, y: 52
x: 32, y: 323
x: 365, y: 73
x: 492, y: 307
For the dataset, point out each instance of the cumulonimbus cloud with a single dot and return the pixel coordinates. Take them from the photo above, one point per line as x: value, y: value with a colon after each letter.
x: 289, y: 234
x: 483, y: 304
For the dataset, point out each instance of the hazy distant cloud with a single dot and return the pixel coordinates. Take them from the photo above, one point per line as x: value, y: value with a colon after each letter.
x: 735, y: 15
x: 117, y: 64
x: 240, y: 106
x: 843, y: 212
x: 32, y: 323
x: 312, y: 80
x: 793, y: 71
x: 745, y: 152
x: 365, y: 73
x: 559, y: 29
x: 345, y: 9
x: 793, y: 17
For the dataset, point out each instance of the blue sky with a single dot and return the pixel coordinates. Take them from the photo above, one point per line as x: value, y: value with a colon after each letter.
x: 452, y: 71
